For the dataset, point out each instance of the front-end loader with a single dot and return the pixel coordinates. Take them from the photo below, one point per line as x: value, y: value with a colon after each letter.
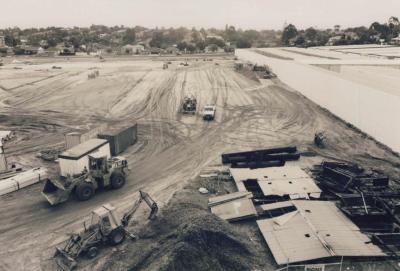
x: 104, y: 229
x: 102, y: 173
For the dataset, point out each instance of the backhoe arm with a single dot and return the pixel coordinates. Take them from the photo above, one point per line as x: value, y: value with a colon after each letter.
x: 149, y: 201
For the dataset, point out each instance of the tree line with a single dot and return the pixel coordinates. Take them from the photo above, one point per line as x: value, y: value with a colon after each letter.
x: 376, y: 32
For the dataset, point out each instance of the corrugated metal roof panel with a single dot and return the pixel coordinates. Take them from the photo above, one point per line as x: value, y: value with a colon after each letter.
x: 288, y: 180
x: 316, y: 230
x: 235, y: 210
x: 228, y: 197
x: 276, y: 205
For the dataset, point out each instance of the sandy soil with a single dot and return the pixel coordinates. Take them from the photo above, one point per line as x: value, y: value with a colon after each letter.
x: 172, y: 149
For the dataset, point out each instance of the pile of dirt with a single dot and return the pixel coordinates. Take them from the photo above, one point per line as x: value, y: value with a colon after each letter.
x: 185, y: 236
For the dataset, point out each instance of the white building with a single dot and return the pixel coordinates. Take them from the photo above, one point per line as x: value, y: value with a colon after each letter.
x: 74, y: 160
x: 132, y: 49
x: 2, y: 41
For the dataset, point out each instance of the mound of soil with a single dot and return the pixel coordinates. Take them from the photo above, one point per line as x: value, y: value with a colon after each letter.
x: 186, y: 236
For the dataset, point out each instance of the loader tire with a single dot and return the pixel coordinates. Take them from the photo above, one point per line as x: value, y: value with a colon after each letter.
x: 117, y: 236
x: 84, y: 191
x: 117, y: 180
x: 92, y: 252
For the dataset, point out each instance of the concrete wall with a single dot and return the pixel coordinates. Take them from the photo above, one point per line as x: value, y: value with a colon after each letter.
x: 375, y: 112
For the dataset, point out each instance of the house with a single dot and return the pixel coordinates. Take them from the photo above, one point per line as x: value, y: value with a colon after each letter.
x: 172, y: 50
x: 214, y: 37
x: 333, y: 40
x: 132, y: 49
x: 155, y: 50
x: 395, y: 41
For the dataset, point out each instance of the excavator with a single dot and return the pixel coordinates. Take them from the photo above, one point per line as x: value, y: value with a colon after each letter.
x: 104, y: 229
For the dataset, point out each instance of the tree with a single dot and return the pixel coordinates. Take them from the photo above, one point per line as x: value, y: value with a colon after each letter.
x: 181, y: 45
x: 243, y: 43
x: 201, y: 45
x: 191, y: 48
x: 289, y: 33
x: 157, y: 39
x: 220, y: 43
x: 130, y: 36
x: 250, y: 35
x: 310, y: 34
x: 11, y: 41
x: 230, y: 33
x: 213, y: 47
x: 300, y: 41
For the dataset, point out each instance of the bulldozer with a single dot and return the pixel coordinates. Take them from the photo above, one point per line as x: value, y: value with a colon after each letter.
x: 189, y: 105
x: 104, y: 229
x: 102, y: 173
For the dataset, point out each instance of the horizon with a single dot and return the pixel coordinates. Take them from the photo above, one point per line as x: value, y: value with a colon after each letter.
x: 254, y: 14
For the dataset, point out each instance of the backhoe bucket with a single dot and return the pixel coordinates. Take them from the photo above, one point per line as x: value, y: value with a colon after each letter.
x: 64, y: 261
x: 55, y: 192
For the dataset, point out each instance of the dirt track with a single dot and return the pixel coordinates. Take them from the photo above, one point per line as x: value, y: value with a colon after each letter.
x: 172, y: 148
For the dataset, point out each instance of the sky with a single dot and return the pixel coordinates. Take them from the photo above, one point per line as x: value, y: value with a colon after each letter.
x: 245, y: 14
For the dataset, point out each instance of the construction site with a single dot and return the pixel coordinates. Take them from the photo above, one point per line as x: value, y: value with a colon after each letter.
x: 262, y: 159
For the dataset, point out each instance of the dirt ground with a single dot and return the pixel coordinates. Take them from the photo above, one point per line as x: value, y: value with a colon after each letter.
x: 41, y: 104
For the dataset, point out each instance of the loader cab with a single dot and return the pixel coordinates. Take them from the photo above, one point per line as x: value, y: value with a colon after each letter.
x: 98, y: 165
x: 105, y: 218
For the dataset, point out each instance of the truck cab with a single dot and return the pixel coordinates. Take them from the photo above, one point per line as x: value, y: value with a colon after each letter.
x: 209, y: 112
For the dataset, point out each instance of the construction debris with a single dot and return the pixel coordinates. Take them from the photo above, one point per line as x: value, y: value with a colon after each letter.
x: 203, y: 190
x: 317, y: 229
x: 49, y: 154
x: 6, y: 135
x: 276, y: 183
x: 389, y: 242
x: 233, y: 207
x: 261, y: 158
x: 344, y: 177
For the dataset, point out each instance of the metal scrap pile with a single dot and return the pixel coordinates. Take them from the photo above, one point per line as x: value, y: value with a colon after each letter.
x: 48, y: 155
x: 261, y: 158
x: 365, y: 195
x: 350, y: 178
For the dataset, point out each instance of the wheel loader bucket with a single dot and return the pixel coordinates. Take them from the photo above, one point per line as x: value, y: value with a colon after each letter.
x: 55, y: 192
x: 64, y: 261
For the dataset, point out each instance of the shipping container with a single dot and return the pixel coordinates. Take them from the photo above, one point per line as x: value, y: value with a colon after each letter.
x: 72, y: 139
x: 120, y: 138
x: 74, y: 160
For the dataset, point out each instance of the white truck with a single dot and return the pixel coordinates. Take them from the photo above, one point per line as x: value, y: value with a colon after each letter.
x: 209, y: 112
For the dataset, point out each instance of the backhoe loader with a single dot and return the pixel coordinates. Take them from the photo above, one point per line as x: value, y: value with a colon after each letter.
x: 104, y: 229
